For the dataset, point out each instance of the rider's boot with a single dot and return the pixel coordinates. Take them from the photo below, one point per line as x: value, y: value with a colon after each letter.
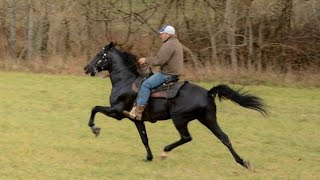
x: 131, y: 114
x: 139, y: 110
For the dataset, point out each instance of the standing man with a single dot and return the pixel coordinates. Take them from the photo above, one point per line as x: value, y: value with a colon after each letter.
x: 170, y: 60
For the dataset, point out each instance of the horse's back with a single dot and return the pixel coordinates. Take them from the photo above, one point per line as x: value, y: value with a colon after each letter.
x: 191, y: 92
x: 190, y: 100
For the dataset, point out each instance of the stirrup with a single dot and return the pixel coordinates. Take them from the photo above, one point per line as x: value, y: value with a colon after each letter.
x: 131, y: 114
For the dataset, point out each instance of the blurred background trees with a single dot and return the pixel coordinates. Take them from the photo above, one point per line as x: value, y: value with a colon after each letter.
x: 278, y: 36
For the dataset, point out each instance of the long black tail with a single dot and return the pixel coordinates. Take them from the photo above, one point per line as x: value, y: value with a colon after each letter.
x: 238, y: 96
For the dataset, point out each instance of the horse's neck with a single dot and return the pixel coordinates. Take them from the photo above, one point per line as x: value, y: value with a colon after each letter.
x: 121, y: 74
x: 122, y: 79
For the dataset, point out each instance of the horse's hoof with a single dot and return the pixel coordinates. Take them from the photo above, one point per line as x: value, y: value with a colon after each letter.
x: 164, y: 155
x: 96, y: 131
x: 246, y: 164
x: 149, y: 158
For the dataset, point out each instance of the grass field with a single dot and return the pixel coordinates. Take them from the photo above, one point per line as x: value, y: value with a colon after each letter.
x: 44, y: 135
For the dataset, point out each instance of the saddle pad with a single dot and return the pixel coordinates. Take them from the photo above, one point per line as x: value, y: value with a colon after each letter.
x: 167, y: 91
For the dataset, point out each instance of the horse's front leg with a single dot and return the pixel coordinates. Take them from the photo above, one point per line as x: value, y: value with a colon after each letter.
x: 144, y: 138
x: 108, y: 111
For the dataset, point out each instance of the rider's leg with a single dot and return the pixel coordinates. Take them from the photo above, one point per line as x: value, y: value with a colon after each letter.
x: 143, y: 96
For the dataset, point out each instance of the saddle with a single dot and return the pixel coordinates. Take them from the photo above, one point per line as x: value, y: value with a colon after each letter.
x: 167, y: 90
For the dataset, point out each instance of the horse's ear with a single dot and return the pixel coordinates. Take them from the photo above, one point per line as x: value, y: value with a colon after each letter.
x: 109, y: 46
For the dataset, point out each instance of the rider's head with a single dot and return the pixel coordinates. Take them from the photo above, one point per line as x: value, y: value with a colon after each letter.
x: 166, y: 32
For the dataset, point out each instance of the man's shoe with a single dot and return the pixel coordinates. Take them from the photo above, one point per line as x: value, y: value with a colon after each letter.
x: 139, y: 111
x: 131, y: 114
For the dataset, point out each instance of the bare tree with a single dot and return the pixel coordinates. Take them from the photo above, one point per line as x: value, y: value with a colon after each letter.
x: 260, y: 44
x: 44, y: 29
x: 212, y: 32
x: 255, y: 34
x: 12, y: 27
x: 30, y: 30
x: 315, y: 12
x: 249, y: 34
x: 231, y: 24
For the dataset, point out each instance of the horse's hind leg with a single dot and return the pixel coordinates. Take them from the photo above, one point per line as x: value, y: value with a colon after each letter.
x: 211, y: 123
x: 182, y: 127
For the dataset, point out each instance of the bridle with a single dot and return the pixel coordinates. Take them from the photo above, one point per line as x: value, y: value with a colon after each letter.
x: 95, y: 70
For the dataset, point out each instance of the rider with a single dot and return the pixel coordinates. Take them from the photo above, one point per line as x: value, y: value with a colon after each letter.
x: 170, y: 60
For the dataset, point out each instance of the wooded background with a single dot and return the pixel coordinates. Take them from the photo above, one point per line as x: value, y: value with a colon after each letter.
x: 278, y: 36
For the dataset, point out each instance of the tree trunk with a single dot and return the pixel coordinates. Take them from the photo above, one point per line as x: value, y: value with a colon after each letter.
x: 230, y: 25
x: 66, y: 38
x: 44, y: 31
x: 249, y: 35
x: 30, y: 31
x: 250, y: 44
x: 212, y: 34
x: 316, y: 13
x: 12, y: 28
x: 260, y: 44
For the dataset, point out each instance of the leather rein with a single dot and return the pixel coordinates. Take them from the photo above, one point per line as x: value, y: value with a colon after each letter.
x: 95, y: 70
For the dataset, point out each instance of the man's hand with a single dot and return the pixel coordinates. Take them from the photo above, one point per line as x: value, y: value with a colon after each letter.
x: 142, y: 60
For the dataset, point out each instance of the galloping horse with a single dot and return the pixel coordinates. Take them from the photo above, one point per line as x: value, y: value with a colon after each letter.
x: 192, y: 101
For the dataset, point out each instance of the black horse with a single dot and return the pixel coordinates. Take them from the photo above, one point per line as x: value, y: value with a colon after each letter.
x: 192, y: 101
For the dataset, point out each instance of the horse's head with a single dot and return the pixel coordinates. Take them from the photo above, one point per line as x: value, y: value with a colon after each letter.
x: 101, y: 62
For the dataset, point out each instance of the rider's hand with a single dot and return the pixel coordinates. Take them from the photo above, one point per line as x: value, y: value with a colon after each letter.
x: 142, y: 60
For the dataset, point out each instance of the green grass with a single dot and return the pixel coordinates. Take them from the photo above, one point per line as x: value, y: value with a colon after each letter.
x: 44, y: 135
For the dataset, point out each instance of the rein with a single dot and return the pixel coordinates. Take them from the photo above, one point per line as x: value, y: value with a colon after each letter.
x: 110, y: 74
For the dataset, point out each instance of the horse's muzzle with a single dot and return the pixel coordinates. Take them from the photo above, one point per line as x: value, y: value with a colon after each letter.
x: 89, y: 70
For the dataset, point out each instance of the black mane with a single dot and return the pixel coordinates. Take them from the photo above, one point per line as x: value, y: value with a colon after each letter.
x: 131, y: 61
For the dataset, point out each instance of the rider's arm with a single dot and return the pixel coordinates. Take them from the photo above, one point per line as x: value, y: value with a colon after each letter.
x: 163, y: 55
